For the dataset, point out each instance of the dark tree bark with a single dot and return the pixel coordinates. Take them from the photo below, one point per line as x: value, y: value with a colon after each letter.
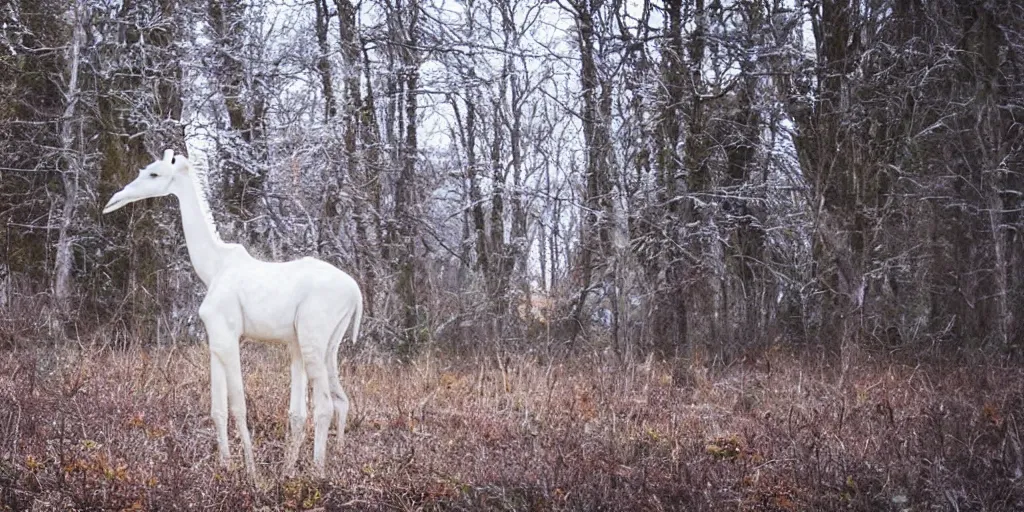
x: 323, y: 65
x: 404, y: 235
x: 670, y: 313
x: 595, y: 235
x: 243, y: 157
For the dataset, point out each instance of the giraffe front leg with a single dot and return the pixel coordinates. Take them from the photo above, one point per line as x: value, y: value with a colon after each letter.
x: 236, y: 401
x: 219, y: 408
x: 296, y: 410
x: 218, y: 379
x: 226, y: 375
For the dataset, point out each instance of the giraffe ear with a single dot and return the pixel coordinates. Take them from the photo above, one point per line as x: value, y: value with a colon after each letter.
x: 169, y: 155
x: 180, y: 163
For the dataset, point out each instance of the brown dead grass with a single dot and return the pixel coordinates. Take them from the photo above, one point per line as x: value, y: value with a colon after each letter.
x: 91, y: 429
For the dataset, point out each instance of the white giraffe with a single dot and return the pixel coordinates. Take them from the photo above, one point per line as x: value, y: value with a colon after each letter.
x: 306, y: 303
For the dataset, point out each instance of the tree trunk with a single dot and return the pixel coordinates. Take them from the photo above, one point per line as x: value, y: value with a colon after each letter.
x: 595, y: 232
x: 70, y: 137
x: 242, y: 155
x: 323, y: 65
x: 406, y: 195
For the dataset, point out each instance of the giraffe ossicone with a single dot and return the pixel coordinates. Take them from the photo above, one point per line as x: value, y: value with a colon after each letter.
x: 306, y: 303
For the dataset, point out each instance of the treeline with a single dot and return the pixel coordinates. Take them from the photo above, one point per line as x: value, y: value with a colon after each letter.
x: 642, y: 176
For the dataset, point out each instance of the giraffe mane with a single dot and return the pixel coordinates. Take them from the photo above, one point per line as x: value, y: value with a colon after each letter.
x: 201, y: 186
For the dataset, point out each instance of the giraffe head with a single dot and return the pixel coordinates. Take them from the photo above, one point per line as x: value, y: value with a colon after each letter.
x: 154, y: 180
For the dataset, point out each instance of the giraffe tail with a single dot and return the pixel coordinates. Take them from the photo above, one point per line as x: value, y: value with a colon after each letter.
x: 357, y: 319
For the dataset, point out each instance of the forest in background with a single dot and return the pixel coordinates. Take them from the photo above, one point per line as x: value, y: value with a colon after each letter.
x: 634, y: 175
x: 653, y: 227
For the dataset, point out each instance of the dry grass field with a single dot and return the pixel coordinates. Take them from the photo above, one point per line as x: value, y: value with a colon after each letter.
x: 97, y: 429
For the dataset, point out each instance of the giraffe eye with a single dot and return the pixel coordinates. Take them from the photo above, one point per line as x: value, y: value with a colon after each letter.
x: 154, y: 175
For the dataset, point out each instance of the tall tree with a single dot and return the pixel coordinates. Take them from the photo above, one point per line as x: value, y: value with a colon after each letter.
x: 241, y: 78
x: 595, y: 236
x: 402, y: 244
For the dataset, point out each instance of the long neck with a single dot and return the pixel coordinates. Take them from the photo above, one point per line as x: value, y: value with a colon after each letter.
x: 205, y: 248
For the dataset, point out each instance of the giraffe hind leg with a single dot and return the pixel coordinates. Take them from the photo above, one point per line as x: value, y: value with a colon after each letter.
x: 313, y: 345
x: 338, y: 395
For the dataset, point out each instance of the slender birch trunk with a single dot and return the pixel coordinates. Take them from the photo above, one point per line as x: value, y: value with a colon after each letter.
x: 70, y: 161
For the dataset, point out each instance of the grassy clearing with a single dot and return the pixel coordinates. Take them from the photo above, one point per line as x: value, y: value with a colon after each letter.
x: 98, y: 429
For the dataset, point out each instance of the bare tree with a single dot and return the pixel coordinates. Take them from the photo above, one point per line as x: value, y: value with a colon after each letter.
x: 242, y: 85
x: 688, y: 178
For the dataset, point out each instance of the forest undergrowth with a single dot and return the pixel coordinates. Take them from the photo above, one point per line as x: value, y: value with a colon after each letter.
x: 100, y: 429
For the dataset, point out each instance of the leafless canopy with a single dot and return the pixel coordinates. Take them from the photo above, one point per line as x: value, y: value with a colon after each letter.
x: 633, y: 175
